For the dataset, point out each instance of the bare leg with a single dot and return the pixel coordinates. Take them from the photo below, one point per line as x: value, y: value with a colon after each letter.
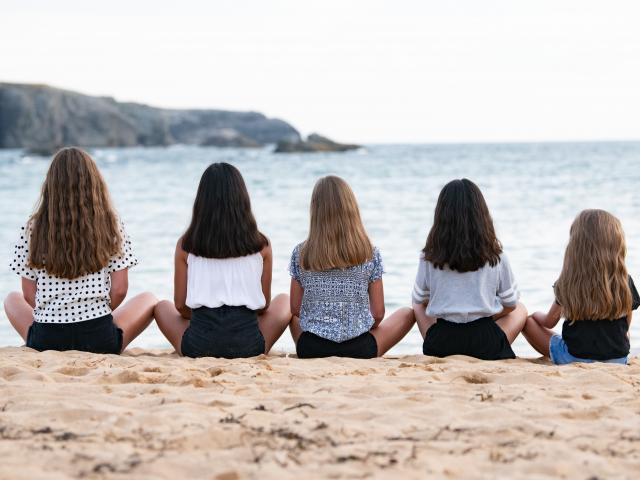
x: 393, y: 329
x: 513, y: 323
x: 134, y: 316
x: 19, y: 312
x: 274, y: 320
x: 537, y: 336
x: 171, y: 323
x: 295, y: 329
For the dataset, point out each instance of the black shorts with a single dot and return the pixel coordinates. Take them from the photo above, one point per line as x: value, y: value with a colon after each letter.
x: 99, y: 335
x: 227, y: 332
x: 312, y: 346
x: 482, y: 339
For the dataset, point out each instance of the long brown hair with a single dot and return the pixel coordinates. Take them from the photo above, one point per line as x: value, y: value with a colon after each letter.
x: 222, y: 224
x: 594, y: 284
x: 462, y: 236
x: 74, y: 230
x: 337, y: 238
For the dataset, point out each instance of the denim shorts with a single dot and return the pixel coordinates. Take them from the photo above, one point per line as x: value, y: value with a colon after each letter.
x: 226, y: 331
x: 559, y: 354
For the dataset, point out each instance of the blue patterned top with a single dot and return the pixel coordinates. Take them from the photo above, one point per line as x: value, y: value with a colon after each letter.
x: 335, y: 303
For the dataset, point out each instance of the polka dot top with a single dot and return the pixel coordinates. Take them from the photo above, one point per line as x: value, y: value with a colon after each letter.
x: 63, y: 300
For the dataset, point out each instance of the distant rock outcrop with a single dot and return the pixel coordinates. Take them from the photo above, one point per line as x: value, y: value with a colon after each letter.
x: 41, y: 119
x: 313, y: 143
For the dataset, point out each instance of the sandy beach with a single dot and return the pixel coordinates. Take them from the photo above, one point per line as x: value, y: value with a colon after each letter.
x: 150, y: 414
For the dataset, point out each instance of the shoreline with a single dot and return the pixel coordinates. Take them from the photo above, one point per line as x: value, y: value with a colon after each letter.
x: 149, y: 413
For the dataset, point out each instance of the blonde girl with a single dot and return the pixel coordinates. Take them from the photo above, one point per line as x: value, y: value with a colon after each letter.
x: 73, y: 257
x: 337, y: 297
x: 594, y: 293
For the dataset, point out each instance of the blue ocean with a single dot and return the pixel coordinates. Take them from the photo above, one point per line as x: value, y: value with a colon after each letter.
x: 534, y: 191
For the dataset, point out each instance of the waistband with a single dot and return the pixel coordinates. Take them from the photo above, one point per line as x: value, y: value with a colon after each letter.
x: 462, y: 324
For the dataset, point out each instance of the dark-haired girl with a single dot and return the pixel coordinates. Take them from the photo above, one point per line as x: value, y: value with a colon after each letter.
x: 465, y: 296
x: 222, y: 285
x: 73, y: 256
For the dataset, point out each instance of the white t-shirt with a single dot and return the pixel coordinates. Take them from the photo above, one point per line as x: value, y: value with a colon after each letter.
x: 213, y: 282
x: 63, y: 300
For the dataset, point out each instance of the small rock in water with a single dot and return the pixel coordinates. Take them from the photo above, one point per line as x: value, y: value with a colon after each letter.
x: 314, y: 143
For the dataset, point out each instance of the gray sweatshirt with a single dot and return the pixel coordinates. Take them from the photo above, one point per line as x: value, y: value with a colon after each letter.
x: 465, y: 297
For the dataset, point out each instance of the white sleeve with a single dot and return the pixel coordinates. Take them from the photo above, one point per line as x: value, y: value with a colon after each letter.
x: 420, y: 292
x: 20, y: 260
x: 126, y: 258
x: 507, y: 286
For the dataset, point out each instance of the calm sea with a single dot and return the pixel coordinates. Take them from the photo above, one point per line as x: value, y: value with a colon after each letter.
x: 533, y: 190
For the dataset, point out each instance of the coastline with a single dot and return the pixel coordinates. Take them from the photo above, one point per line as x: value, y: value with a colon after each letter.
x: 149, y: 413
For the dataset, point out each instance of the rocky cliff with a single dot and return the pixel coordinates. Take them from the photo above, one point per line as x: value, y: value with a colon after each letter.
x: 42, y: 118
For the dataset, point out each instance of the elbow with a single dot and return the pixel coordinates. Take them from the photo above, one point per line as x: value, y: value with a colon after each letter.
x: 508, y: 309
x: 185, y: 312
x: 378, y: 315
x: 119, y: 293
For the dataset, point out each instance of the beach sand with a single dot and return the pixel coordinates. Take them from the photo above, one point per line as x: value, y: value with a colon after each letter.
x: 149, y: 414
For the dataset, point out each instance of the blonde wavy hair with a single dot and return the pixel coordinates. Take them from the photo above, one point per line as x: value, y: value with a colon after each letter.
x: 74, y: 230
x: 594, y: 284
x: 337, y: 238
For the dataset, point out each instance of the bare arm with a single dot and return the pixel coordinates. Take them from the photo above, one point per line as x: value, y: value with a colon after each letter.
x: 29, y: 291
x: 180, y: 281
x: 549, y: 319
x: 296, y: 293
x: 505, y: 311
x: 119, y: 287
x: 267, y: 271
x: 420, y: 311
x: 376, y: 301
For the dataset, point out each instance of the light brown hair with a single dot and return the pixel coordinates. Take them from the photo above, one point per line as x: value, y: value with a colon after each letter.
x: 337, y: 238
x: 594, y: 284
x: 74, y: 228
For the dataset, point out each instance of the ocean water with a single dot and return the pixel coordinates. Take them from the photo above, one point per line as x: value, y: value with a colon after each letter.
x: 533, y: 190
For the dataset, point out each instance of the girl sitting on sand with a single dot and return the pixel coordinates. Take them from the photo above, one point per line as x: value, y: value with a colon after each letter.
x: 594, y: 294
x: 73, y: 256
x: 465, y: 297
x: 222, y: 285
x: 337, y: 296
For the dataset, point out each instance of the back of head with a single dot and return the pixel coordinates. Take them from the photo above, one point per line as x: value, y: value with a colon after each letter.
x: 74, y: 228
x: 222, y: 224
x: 337, y: 238
x: 462, y: 236
x: 594, y: 284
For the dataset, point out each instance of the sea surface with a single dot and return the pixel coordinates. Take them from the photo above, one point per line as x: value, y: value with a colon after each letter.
x: 533, y: 190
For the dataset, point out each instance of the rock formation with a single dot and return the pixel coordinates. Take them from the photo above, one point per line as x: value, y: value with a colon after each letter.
x: 41, y: 119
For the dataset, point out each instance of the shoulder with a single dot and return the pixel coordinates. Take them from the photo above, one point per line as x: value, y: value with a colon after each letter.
x: 180, y: 252
x: 27, y: 228
x: 266, y: 251
x: 24, y: 234
x: 296, y: 250
x: 376, y: 256
x: 504, y: 261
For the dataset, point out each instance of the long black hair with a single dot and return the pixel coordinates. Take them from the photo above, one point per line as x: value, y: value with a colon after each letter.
x: 222, y: 225
x: 462, y: 236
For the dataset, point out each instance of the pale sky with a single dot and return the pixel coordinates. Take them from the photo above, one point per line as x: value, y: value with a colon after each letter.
x: 364, y: 71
